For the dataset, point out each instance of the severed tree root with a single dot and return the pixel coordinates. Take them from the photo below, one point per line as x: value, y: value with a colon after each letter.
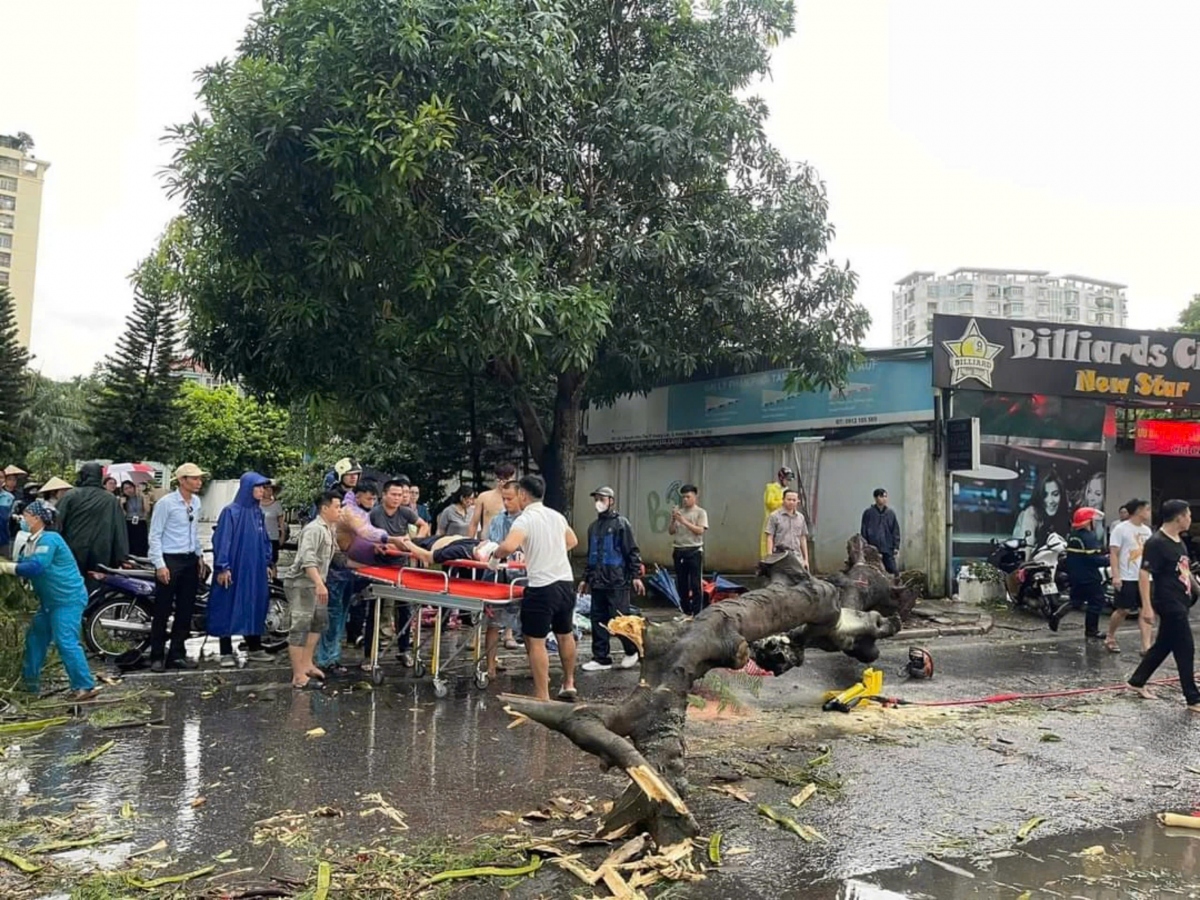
x: 773, y: 625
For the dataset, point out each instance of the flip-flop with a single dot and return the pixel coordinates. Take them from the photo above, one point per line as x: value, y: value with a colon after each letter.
x: 313, y: 684
x: 568, y: 695
x: 1111, y: 647
x: 336, y: 669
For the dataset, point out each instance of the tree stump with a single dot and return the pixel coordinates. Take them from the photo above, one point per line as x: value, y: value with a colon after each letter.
x: 773, y: 625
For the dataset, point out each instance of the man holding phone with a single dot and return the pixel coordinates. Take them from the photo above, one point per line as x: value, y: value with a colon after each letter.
x: 687, y: 532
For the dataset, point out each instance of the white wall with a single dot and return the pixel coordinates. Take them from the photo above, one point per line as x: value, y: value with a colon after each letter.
x: 1128, y: 477
x: 849, y: 474
x: 731, y: 482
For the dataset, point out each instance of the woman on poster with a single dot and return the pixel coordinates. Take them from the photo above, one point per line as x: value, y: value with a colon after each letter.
x: 1046, y: 513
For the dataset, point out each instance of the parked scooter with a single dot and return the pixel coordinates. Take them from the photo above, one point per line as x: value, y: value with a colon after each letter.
x: 119, y: 613
x: 1032, y: 583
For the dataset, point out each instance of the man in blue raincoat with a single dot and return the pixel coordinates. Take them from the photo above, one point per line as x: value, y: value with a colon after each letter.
x: 240, y: 592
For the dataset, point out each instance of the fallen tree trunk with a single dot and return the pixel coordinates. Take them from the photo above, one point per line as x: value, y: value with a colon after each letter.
x: 772, y: 625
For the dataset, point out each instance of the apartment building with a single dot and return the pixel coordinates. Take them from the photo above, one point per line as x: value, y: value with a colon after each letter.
x: 21, y: 179
x: 1002, y: 293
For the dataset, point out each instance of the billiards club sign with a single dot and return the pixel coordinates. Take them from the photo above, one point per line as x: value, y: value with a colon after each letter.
x: 1015, y: 357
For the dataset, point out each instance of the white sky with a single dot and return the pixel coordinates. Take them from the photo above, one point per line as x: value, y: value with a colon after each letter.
x: 1043, y: 135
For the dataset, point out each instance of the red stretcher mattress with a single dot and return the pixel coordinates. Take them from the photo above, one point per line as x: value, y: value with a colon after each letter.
x: 435, y: 583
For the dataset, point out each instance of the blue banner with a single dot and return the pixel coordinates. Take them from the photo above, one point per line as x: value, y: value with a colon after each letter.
x: 878, y: 393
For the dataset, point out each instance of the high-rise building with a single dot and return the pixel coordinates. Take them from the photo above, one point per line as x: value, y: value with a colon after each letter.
x: 21, y: 178
x: 1002, y: 294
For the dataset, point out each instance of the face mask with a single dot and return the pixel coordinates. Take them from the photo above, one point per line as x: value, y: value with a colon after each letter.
x: 24, y: 525
x: 601, y: 506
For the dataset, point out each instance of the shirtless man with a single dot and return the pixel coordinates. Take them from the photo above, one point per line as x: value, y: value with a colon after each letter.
x: 488, y: 505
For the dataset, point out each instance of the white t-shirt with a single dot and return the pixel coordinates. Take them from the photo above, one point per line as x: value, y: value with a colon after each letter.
x: 1128, y: 538
x: 545, y: 545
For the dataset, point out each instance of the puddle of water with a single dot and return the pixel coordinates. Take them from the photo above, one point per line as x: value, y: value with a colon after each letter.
x: 1141, y: 862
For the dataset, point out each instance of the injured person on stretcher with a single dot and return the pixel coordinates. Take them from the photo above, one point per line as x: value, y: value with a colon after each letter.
x: 446, y: 548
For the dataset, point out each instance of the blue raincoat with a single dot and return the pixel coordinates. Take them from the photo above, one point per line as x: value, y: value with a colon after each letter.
x: 240, y: 546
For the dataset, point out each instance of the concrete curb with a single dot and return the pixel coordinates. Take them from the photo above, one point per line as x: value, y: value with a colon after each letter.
x: 974, y: 629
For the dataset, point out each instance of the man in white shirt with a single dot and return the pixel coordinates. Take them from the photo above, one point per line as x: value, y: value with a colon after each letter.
x: 548, y: 604
x: 1125, y: 544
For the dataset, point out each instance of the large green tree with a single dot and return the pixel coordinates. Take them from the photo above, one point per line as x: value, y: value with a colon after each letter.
x: 132, y: 416
x: 1189, y: 318
x: 14, y: 394
x: 572, y: 198
x: 227, y: 433
x: 54, y: 430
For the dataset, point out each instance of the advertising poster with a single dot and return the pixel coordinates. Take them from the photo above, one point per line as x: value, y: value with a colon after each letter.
x: 1023, y: 492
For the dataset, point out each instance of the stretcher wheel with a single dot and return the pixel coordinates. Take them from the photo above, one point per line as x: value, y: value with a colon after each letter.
x: 419, y: 669
x: 481, y: 679
x: 439, y: 688
x: 377, y: 675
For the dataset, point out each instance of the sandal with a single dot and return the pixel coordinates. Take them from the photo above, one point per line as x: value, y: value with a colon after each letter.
x: 568, y: 695
x: 1111, y: 646
x: 312, y: 684
x: 337, y: 669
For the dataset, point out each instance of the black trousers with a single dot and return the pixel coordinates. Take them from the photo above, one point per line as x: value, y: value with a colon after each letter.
x: 889, y: 562
x: 1174, y: 639
x: 606, y: 603
x: 689, y: 578
x: 178, y: 596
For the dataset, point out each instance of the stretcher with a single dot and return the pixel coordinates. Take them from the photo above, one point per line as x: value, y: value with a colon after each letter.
x: 441, y: 590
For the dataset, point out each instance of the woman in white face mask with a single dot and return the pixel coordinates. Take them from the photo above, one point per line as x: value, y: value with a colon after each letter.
x: 50, y: 567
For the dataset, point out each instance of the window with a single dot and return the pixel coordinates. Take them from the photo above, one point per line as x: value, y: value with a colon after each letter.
x: 1043, y: 310
x: 966, y: 306
x: 1072, y: 314
x: 5, y: 241
x: 1016, y: 292
x: 1041, y: 293
x: 993, y: 291
x: 966, y: 290
x: 1016, y: 309
x: 3, y: 278
x: 6, y: 260
x: 7, y: 202
x: 8, y: 164
x: 993, y: 309
x: 7, y: 221
x: 931, y: 291
x: 8, y: 184
x: 1072, y: 296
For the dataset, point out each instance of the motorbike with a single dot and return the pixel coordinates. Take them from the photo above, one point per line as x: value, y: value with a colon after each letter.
x: 120, y: 611
x: 1032, y: 583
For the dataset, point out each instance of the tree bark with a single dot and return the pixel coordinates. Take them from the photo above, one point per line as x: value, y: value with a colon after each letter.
x: 644, y: 735
x: 555, y: 453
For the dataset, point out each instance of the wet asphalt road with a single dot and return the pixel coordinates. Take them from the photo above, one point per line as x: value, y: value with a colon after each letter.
x: 954, y: 783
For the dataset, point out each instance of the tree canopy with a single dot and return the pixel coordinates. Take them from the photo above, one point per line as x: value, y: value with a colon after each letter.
x: 573, y: 198
x: 132, y: 415
x: 14, y: 397
x: 227, y: 434
x: 1189, y: 318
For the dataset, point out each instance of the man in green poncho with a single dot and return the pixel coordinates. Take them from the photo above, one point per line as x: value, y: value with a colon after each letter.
x: 92, y: 523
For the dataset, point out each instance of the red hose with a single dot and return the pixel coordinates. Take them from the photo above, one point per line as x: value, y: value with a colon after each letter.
x: 1010, y: 698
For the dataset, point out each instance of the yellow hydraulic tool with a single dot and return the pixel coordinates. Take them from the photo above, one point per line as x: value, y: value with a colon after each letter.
x: 871, y: 686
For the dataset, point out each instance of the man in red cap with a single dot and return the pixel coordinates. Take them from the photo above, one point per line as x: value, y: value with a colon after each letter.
x: 1085, y: 560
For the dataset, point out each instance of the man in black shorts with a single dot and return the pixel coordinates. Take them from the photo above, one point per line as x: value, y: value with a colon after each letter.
x: 1166, y: 569
x: 1126, y: 542
x: 545, y: 538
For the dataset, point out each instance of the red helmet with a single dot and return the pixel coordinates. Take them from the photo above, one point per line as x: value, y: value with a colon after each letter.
x: 1084, y: 516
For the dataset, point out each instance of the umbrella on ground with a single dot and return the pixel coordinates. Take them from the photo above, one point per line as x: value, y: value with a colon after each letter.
x: 138, y: 473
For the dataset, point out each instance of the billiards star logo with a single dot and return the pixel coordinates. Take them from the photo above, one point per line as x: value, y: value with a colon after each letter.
x: 972, y: 356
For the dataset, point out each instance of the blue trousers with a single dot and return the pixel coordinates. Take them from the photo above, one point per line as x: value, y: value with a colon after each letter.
x: 329, y: 648
x: 60, y: 625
